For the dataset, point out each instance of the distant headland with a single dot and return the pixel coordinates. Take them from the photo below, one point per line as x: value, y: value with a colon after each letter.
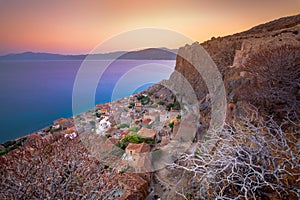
x: 145, y: 54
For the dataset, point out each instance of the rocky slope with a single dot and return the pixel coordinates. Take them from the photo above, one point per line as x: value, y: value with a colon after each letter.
x: 259, y: 67
x: 232, y: 53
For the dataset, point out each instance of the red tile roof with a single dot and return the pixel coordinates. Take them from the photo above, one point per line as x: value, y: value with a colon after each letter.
x: 70, y: 130
x: 60, y: 120
x: 138, y: 148
x: 147, y: 133
x: 146, y: 120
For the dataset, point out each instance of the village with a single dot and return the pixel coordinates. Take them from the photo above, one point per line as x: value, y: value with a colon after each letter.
x: 138, y: 124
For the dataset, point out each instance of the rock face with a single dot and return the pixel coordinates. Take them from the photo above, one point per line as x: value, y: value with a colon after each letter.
x: 231, y: 53
x: 260, y: 66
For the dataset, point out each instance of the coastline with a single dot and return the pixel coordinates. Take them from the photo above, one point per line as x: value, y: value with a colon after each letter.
x: 37, y: 93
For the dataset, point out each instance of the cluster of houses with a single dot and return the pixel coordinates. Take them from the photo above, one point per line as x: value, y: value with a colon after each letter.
x: 121, y: 118
x: 152, y: 122
x: 66, y: 125
x: 135, y: 113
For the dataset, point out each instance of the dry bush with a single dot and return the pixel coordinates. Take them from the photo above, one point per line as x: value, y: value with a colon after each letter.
x: 55, y: 169
x: 250, y: 159
x: 274, y: 79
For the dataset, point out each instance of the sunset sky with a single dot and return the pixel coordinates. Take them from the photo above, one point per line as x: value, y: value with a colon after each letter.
x: 77, y: 26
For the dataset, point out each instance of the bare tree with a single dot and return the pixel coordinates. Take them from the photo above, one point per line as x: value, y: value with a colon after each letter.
x: 250, y: 159
x: 55, y: 169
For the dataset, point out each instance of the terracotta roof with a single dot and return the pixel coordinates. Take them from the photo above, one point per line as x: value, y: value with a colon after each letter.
x: 147, y: 133
x: 70, y: 130
x: 60, y: 120
x: 138, y: 148
x: 146, y: 120
x: 98, y: 105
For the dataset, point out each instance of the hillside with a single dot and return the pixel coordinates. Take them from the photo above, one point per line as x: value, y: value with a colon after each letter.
x: 260, y: 69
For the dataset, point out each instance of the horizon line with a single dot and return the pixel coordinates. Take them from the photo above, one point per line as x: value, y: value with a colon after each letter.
x: 85, y: 54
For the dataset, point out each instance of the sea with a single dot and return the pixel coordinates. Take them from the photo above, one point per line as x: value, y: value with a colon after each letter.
x: 36, y: 92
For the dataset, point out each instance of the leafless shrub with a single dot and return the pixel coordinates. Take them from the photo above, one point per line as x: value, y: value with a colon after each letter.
x: 250, y: 159
x: 274, y: 81
x: 55, y: 169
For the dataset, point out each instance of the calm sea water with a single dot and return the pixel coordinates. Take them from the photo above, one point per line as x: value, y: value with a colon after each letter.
x: 34, y: 93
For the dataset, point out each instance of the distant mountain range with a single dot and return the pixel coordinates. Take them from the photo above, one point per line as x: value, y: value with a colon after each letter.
x: 145, y: 54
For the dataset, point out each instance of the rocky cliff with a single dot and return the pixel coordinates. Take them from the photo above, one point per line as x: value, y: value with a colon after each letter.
x: 259, y: 67
x: 232, y: 53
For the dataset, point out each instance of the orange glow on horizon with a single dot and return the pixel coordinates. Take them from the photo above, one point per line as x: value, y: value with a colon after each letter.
x: 76, y: 27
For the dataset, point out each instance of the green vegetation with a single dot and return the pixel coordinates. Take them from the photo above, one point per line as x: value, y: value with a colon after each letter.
x: 93, y: 123
x: 3, y: 151
x: 174, y: 106
x: 188, y: 196
x: 171, y: 125
x: 131, y: 105
x: 121, y: 145
x: 148, y: 126
x: 107, y: 135
x: 133, y: 138
x: 169, y: 106
x: 150, y: 142
x: 144, y: 99
x: 98, y: 114
x: 161, y: 103
x: 52, y: 129
x: 11, y: 145
x: 134, y: 129
x: 124, y: 125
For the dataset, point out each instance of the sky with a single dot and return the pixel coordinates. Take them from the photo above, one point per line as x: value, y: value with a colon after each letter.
x: 78, y: 26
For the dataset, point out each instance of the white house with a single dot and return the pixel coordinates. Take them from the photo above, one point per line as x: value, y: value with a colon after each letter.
x: 57, y: 126
x: 71, y: 135
x: 104, y: 124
